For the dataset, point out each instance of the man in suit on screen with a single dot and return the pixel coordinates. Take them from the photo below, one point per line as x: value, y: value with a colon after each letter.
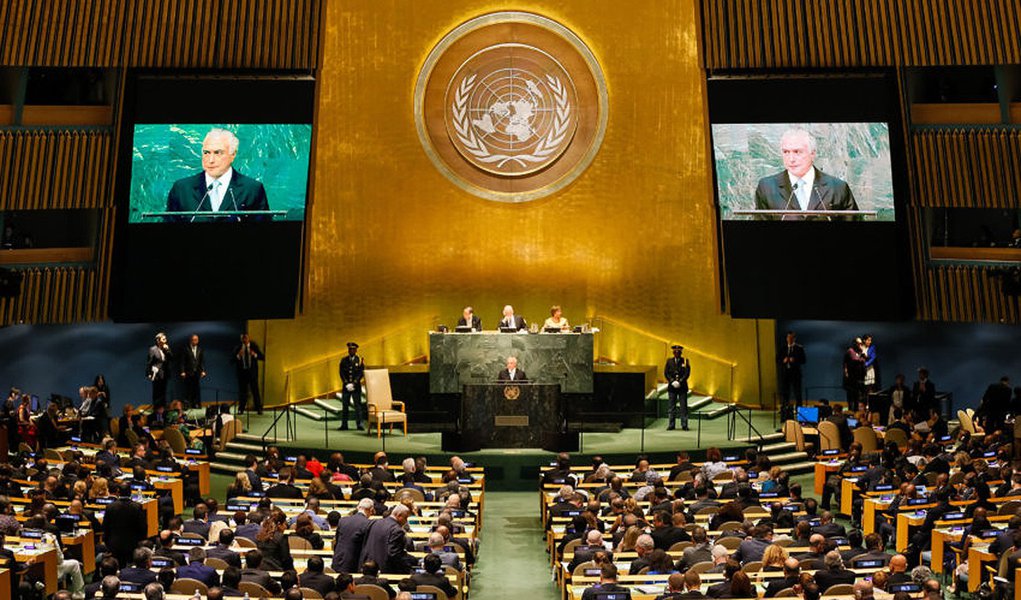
x: 801, y: 186
x: 218, y: 187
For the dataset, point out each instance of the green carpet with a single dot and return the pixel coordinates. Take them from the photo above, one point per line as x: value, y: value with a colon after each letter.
x: 512, y: 560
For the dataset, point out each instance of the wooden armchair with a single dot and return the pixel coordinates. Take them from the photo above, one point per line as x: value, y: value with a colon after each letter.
x: 383, y: 409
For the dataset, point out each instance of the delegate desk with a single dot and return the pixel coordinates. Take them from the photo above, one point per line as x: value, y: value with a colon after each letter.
x: 459, y: 359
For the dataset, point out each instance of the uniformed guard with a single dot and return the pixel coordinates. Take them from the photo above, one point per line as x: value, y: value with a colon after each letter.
x: 352, y: 370
x: 676, y: 372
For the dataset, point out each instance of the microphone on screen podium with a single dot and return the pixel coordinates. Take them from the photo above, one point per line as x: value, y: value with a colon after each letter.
x: 209, y: 188
x: 794, y: 188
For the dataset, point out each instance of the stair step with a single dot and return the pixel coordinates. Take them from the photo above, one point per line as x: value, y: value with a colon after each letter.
x: 332, y: 407
x: 230, y: 457
x: 771, y: 448
x: 699, y: 403
x: 249, y: 437
x: 768, y: 438
x: 309, y: 414
x: 225, y: 468
x: 787, y: 457
x: 800, y: 467
x: 719, y: 411
x: 235, y: 445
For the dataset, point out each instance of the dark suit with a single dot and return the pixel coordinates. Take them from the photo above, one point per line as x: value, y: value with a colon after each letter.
x: 347, y: 545
x: 439, y: 581
x: 827, y: 577
x: 750, y: 550
x: 924, y: 397
x: 383, y: 583
x: 284, y: 490
x: 156, y: 366
x: 777, y: 585
x: 193, y: 365
x: 790, y: 376
x: 664, y: 537
x: 200, y: 572
x: 519, y: 375
x: 352, y: 370
x: 225, y: 554
x: 124, y: 525
x: 518, y: 323
x: 246, y: 367
x: 386, y: 543
x: 242, y: 193
x: 322, y: 583
x: 135, y: 575
x: 828, y: 193
x: 262, y: 578
x: 196, y: 526
x: 830, y: 529
x: 476, y: 323
x: 677, y: 369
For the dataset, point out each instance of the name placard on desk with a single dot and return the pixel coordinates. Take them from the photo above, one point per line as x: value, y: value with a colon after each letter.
x: 511, y: 420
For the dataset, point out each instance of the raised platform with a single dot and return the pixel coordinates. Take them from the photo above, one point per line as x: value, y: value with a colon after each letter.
x: 507, y: 468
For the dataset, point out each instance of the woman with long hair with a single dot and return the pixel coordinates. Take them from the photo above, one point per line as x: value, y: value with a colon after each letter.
x: 773, y: 558
x: 305, y: 529
x: 740, y: 587
x: 271, y: 541
x: 242, y: 486
x: 99, y: 488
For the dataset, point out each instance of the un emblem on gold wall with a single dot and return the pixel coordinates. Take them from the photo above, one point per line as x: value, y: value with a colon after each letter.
x: 511, y: 106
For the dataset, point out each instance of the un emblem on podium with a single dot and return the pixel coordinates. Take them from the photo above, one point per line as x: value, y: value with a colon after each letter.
x: 511, y: 106
x: 511, y: 392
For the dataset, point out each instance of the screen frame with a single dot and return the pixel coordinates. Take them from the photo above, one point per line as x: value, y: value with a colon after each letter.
x: 877, y: 99
x: 286, y: 96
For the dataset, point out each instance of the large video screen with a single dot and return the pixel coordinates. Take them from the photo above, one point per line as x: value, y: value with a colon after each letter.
x: 213, y: 190
x: 809, y: 186
x: 229, y: 173
x: 804, y: 171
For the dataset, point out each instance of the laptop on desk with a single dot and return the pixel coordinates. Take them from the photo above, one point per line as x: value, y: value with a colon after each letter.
x: 808, y: 415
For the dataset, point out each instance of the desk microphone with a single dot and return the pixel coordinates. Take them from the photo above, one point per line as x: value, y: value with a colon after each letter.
x: 209, y: 188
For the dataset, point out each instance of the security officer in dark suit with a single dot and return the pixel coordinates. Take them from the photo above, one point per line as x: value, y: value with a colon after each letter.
x: 676, y: 372
x: 791, y: 356
x: 246, y: 366
x: 352, y: 370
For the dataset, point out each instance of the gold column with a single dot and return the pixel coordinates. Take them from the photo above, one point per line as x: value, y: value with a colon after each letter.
x: 394, y: 245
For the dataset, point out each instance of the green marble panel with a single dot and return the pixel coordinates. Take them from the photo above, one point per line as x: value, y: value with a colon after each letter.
x: 459, y: 359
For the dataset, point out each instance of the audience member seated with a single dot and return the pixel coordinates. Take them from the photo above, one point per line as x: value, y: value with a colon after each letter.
x: 434, y: 575
x: 314, y: 578
x: 197, y: 569
x: 254, y: 572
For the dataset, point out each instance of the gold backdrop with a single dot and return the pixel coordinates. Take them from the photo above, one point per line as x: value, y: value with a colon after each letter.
x: 395, y: 248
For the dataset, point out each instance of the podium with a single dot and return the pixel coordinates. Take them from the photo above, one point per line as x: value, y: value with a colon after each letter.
x: 512, y: 415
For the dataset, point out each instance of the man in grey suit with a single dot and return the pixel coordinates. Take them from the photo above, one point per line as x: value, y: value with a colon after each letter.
x: 438, y: 546
x: 347, y: 546
x: 700, y: 551
x: 157, y: 368
x: 387, y: 544
x: 802, y: 186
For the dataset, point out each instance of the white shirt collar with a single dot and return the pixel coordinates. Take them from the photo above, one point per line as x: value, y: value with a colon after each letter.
x: 808, y: 177
x: 216, y: 195
x: 223, y: 179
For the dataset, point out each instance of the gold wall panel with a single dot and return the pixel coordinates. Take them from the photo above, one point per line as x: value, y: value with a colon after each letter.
x: 744, y: 34
x: 394, y: 246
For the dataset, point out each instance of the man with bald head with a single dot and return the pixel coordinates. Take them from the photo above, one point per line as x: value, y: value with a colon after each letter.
x: 801, y: 186
x: 898, y: 570
x: 219, y: 187
x: 815, y: 548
